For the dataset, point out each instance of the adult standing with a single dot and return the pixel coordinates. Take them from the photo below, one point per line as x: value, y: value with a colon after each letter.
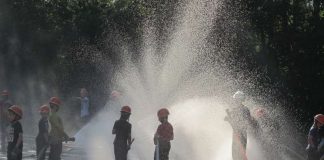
x: 240, y: 118
x: 115, y: 101
x: 84, y: 105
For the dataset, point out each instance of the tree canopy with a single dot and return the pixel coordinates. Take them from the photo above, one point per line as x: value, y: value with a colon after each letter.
x: 286, y: 39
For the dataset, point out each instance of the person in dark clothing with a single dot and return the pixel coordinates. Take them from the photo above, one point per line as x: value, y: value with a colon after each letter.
x: 163, y: 136
x: 15, y: 134
x: 321, y: 143
x: 314, y: 138
x: 122, y: 129
x: 4, y: 105
x: 239, y: 118
x: 42, y: 137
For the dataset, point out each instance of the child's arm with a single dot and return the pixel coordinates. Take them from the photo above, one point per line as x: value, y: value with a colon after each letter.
x: 229, y: 117
x: 172, y: 134
x: 310, y: 141
x: 46, y: 137
x: 156, y: 137
x: 19, y: 140
x: 129, y: 139
x: 78, y: 98
x: 59, y: 125
x: 114, y: 130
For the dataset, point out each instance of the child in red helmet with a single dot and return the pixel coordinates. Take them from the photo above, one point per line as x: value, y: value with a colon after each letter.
x: 15, y: 134
x: 314, y: 138
x: 163, y: 136
x: 122, y: 128
x: 57, y: 134
x: 42, y: 137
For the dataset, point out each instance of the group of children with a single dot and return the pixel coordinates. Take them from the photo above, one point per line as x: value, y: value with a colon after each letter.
x: 51, y: 131
x: 265, y: 129
x: 45, y: 138
x: 239, y: 118
x: 123, y: 139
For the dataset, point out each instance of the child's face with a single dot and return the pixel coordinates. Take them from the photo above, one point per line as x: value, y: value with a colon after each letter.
x: 163, y: 119
x: 83, y: 92
x: 11, y: 116
x: 54, y: 108
x: 44, y: 115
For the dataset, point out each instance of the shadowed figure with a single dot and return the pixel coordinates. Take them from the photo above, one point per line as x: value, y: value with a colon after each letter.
x: 240, y: 118
x: 163, y: 136
x: 123, y: 140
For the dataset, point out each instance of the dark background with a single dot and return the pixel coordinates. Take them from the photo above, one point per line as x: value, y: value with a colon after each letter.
x: 56, y: 47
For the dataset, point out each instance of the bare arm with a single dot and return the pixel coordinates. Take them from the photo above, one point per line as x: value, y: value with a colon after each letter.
x: 310, y: 141
x: 78, y: 98
x: 172, y: 134
x: 57, y: 123
x: 129, y: 139
x: 19, y: 140
x: 45, y: 136
x: 114, y: 130
x: 155, y: 139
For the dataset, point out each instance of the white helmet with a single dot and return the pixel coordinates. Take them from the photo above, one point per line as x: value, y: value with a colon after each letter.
x: 239, y: 95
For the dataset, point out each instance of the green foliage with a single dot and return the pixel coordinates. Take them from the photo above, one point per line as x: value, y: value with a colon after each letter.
x: 39, y: 33
x: 286, y: 36
x: 291, y: 34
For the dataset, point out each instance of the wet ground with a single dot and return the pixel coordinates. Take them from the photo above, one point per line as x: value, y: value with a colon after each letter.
x: 70, y: 151
x: 94, y: 141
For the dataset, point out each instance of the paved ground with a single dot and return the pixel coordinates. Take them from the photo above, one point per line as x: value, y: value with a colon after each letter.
x: 70, y: 152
